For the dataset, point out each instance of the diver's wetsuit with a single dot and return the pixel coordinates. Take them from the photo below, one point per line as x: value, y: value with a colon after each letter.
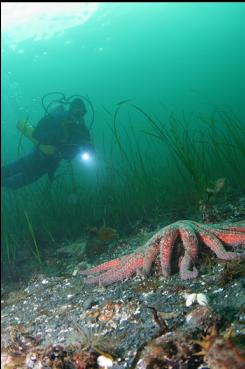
x: 28, y: 169
x: 67, y: 139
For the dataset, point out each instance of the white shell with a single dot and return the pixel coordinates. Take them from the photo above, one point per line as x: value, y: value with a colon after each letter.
x: 75, y: 273
x: 190, y: 299
x: 104, y: 362
x: 202, y: 299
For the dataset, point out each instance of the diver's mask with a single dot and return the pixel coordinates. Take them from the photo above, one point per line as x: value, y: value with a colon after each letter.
x: 78, y: 113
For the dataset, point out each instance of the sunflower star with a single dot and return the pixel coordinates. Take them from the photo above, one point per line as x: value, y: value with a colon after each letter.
x: 162, y: 244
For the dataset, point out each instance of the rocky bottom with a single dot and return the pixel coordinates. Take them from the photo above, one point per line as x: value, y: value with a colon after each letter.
x: 147, y: 323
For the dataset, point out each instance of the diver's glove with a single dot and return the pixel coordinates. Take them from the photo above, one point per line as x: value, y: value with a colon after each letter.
x: 47, y: 149
x: 27, y: 130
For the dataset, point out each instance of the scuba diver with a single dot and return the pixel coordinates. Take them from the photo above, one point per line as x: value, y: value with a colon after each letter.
x: 60, y: 134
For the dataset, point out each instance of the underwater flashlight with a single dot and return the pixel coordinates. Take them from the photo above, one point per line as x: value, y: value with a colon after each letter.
x: 85, y: 156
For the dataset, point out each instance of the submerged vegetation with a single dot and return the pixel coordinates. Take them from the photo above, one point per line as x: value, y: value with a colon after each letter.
x: 146, y: 167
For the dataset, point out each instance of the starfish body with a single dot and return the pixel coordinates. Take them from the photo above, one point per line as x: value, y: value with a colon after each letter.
x: 162, y: 245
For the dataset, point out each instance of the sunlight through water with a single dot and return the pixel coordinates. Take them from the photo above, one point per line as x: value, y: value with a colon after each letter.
x: 40, y: 20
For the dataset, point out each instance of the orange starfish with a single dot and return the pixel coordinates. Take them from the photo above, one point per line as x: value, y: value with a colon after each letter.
x: 162, y: 244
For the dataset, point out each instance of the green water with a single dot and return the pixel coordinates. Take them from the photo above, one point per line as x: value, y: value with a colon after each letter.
x: 182, y: 68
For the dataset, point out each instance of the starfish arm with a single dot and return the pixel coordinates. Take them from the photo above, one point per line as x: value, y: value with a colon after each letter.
x: 236, y: 227
x: 231, y: 237
x: 105, y: 266
x: 104, y: 279
x: 149, y: 257
x: 216, y: 246
x: 233, y: 234
x: 126, y: 270
x: 166, y: 247
x: 185, y: 264
x: 190, y: 243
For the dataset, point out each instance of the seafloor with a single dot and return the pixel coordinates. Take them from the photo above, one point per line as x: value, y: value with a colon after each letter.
x: 56, y: 321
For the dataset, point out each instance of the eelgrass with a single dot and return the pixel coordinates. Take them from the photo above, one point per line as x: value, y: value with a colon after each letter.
x: 177, y: 138
x: 35, y: 249
x: 147, y: 168
x: 228, y: 136
x: 9, y: 249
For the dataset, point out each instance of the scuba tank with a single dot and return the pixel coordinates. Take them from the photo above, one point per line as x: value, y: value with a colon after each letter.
x: 59, y: 105
x: 58, y: 111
